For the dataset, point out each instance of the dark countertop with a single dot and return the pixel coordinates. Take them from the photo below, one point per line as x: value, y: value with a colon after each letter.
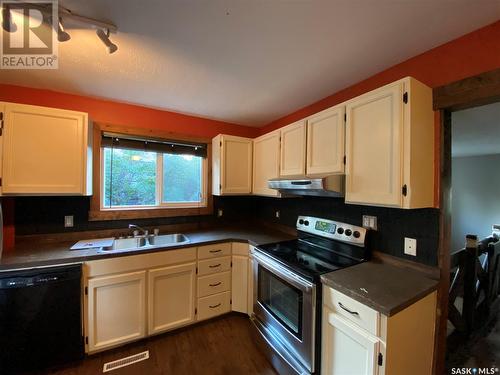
x: 32, y: 254
x: 384, y: 287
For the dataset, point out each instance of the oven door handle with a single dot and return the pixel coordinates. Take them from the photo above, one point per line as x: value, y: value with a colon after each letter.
x: 283, y: 272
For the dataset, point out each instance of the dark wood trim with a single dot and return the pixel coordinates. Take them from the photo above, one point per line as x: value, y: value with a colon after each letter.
x: 96, y: 214
x: 469, y: 92
x: 444, y: 242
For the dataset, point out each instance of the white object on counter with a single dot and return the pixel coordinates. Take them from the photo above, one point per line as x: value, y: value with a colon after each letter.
x: 88, y: 244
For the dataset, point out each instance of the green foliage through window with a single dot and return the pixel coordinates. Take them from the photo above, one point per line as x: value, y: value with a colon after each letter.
x: 130, y: 178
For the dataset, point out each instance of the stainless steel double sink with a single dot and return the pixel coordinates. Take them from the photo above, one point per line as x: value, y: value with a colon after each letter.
x: 146, y: 242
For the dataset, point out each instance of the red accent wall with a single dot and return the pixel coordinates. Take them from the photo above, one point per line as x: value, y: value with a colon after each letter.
x: 469, y: 55
x: 115, y: 113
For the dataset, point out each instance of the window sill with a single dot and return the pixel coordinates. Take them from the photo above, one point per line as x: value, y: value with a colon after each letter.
x: 145, y: 213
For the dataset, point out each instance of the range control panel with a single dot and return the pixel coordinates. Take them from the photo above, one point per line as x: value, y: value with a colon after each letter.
x: 332, y: 229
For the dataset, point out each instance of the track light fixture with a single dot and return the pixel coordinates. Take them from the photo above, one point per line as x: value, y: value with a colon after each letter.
x: 62, y: 35
x: 7, y: 23
x: 104, y: 36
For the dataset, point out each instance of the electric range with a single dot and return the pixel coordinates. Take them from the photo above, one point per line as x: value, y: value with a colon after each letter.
x: 287, y: 288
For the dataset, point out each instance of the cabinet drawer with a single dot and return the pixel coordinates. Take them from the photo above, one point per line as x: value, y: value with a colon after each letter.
x: 206, y: 267
x: 214, y: 305
x: 212, y: 284
x: 212, y: 251
x: 354, y: 311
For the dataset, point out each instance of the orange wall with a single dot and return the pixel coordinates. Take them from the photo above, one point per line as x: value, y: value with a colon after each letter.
x: 466, y: 56
x: 115, y: 113
x: 124, y: 114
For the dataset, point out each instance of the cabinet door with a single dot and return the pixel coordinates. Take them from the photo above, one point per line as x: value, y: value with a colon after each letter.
x: 325, y: 142
x: 45, y: 151
x: 293, y: 149
x: 346, y: 349
x: 374, y: 133
x: 171, y: 297
x: 266, y: 162
x: 236, y: 171
x: 116, y: 309
x: 239, y: 285
x: 250, y: 286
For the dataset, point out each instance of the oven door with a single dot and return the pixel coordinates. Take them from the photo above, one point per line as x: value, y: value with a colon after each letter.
x: 286, y: 304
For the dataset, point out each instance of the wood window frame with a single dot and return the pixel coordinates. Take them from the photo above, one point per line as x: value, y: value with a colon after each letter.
x: 99, y: 213
x: 470, y: 92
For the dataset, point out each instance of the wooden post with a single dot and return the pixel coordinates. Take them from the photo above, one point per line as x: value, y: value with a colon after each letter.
x: 470, y: 280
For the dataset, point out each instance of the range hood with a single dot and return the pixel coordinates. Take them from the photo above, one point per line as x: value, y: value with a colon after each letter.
x: 327, y: 186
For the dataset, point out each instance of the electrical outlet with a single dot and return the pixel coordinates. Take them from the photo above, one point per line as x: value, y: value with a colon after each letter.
x: 220, y: 212
x: 370, y: 222
x: 411, y: 246
x: 277, y: 214
x: 68, y: 221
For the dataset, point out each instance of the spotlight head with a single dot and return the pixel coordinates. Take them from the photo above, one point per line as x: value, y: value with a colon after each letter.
x: 62, y: 35
x: 104, y: 36
x: 7, y: 23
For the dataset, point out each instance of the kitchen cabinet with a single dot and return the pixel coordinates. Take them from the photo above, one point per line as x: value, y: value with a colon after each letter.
x: 46, y: 151
x: 116, y: 309
x: 231, y: 165
x: 390, y: 146
x: 214, y: 288
x: 129, y: 297
x: 171, y: 297
x: 266, y: 162
x: 293, y: 149
x: 240, y: 278
x: 357, y: 339
x: 350, y: 349
x: 325, y: 142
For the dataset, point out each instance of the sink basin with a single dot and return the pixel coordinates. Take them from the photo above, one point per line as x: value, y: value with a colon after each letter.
x: 127, y: 244
x: 168, y: 239
x: 138, y: 243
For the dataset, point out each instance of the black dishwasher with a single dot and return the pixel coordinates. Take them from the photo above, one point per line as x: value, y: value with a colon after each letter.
x: 40, y: 318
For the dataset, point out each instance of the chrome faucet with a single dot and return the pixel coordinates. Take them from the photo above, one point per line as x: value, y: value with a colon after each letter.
x: 137, y: 229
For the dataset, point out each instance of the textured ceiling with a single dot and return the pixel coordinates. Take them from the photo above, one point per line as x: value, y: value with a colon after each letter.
x: 247, y: 62
x: 476, y: 131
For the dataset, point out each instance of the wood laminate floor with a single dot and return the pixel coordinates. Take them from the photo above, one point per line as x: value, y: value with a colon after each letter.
x: 220, y: 346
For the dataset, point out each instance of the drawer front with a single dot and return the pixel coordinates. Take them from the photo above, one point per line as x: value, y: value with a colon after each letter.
x: 216, y: 250
x: 212, y: 284
x: 211, y: 306
x: 362, y: 315
x: 209, y: 266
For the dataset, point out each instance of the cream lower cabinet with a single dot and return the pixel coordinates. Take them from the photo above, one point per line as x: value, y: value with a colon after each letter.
x: 240, y: 278
x: 116, y: 309
x: 171, y: 297
x: 231, y: 165
x: 390, y: 146
x: 46, y: 151
x: 266, y: 163
x: 358, y: 340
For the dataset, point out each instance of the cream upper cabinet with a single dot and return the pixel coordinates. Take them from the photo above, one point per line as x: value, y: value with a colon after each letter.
x: 390, y: 146
x: 231, y: 165
x: 116, y: 309
x: 46, y: 151
x: 266, y: 162
x: 293, y: 149
x: 325, y: 142
x: 171, y: 297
